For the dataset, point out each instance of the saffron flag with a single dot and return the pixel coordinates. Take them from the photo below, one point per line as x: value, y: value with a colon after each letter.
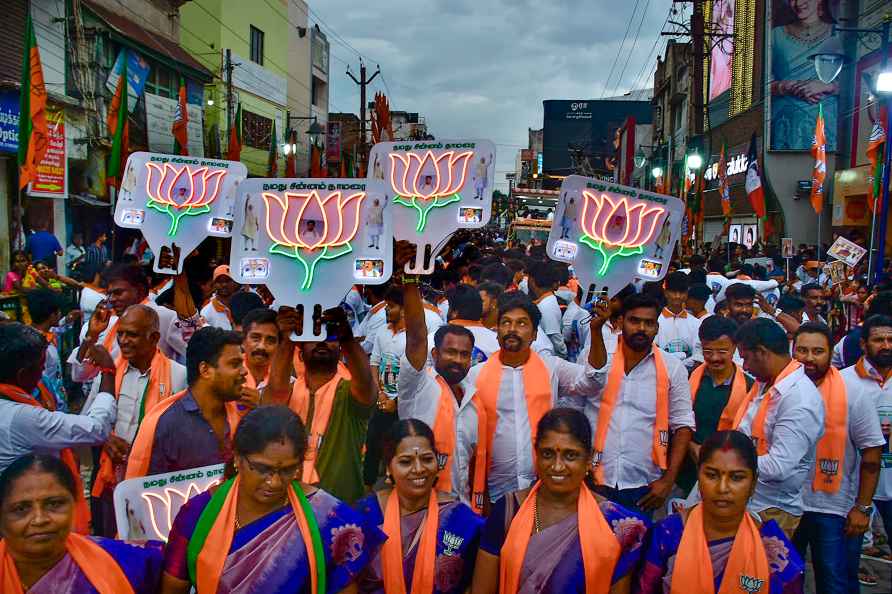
x: 180, y: 123
x: 272, y: 163
x: 875, y: 149
x: 291, y: 157
x: 724, y: 190
x: 754, y: 192
x: 33, y: 128
x: 819, y: 152
x: 118, y: 129
x: 234, y: 152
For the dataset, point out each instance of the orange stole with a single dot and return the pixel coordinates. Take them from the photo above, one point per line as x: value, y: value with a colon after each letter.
x: 738, y: 394
x: 444, y: 434
x: 323, y: 402
x: 539, y: 399
x: 392, y: 550
x: 141, y: 451
x: 660, y: 447
x: 81, y: 509
x: 600, y: 549
x: 101, y: 570
x: 757, y: 431
x: 747, y: 563
x: 831, y: 450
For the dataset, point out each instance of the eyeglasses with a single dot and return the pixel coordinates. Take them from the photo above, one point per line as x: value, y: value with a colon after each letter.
x: 286, y: 474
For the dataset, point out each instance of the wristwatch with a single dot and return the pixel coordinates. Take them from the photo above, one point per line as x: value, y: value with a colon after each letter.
x: 864, y: 509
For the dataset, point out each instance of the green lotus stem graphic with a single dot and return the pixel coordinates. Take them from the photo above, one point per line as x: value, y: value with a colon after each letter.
x: 609, y: 252
x: 308, y: 259
x: 176, y: 214
x: 425, y: 207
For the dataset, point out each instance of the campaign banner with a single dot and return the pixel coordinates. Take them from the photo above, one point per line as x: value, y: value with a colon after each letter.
x: 146, y: 507
x: 51, y: 180
x: 847, y: 251
x: 137, y: 74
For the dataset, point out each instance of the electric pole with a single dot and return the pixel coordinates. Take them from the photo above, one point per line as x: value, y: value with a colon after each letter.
x: 229, y: 68
x: 363, y: 83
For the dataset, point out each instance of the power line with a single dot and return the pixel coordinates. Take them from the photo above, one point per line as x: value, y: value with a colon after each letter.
x: 619, y: 77
x: 621, y: 45
x: 652, y: 49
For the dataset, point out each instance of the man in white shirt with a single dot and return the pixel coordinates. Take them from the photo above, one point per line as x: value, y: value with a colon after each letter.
x: 792, y: 422
x: 813, y: 295
x: 837, y: 495
x: 629, y: 468
x: 489, y: 294
x: 466, y: 309
x: 216, y: 312
x: 375, y: 318
x: 678, y: 328
x: 542, y: 281
x: 259, y: 343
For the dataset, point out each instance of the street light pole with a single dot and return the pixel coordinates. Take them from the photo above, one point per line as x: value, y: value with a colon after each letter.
x: 887, y: 164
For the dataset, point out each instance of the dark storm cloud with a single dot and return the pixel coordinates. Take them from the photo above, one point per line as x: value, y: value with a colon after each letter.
x: 481, y: 68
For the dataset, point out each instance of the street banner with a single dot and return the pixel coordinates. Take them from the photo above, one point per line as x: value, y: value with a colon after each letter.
x: 310, y: 240
x: 176, y: 202
x: 51, y: 179
x: 145, y: 507
x: 847, y: 251
x: 137, y: 74
x: 613, y: 234
x: 435, y: 189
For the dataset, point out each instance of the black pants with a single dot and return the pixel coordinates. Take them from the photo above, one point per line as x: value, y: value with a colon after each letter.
x: 379, y: 425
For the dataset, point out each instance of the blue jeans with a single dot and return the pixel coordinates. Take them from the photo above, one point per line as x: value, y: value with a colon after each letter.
x: 834, y: 556
x: 628, y: 498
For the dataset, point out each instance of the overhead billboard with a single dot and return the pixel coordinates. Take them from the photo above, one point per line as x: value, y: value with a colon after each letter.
x: 722, y: 55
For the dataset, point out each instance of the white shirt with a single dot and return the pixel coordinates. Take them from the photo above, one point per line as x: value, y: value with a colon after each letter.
x: 374, y: 321
x: 678, y: 335
x: 793, y: 426
x: 419, y: 398
x: 89, y: 301
x: 217, y: 319
x: 133, y: 388
x: 512, y: 451
x: 576, y: 332
x: 550, y: 323
x: 389, y: 349
x: 486, y: 342
x: 719, y: 282
x: 880, y: 396
x: 357, y: 306
x: 863, y: 432
x: 627, y: 460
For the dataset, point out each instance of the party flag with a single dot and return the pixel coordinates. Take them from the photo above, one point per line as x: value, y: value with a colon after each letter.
x: 180, y: 123
x: 33, y: 128
x: 819, y: 151
x: 234, y: 152
x: 754, y: 191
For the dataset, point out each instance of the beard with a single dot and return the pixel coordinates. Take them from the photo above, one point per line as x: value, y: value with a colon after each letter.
x: 323, y: 359
x: 881, y: 358
x: 452, y: 373
x: 512, y: 343
x: 638, y: 341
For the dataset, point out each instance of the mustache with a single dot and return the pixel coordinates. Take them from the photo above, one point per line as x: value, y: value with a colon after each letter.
x: 259, y: 353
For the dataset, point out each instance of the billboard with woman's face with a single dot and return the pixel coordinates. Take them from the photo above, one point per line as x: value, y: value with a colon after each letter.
x: 798, y: 27
x: 722, y: 53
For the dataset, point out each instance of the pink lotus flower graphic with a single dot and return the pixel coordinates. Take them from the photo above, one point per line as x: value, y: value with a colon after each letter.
x: 309, y: 228
x: 613, y: 228
x: 424, y: 182
x: 182, y: 190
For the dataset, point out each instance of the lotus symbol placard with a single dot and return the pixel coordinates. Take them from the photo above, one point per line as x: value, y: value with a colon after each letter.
x: 309, y: 228
x: 614, y: 229
x: 424, y: 182
x: 182, y: 190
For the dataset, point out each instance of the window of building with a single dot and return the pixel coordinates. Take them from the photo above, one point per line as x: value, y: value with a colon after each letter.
x: 256, y: 45
x: 161, y: 81
x: 317, y: 92
x: 256, y: 130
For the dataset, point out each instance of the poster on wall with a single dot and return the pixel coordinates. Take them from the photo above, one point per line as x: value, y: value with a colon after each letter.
x: 137, y: 74
x: 723, y: 51
x: 734, y: 233
x: 51, y: 180
x: 160, y: 113
x: 750, y: 235
x: 797, y: 30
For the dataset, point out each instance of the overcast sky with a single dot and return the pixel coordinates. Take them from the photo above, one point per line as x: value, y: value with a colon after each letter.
x: 481, y: 68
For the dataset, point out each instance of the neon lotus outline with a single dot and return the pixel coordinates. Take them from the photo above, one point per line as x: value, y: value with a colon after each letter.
x: 284, y: 215
x: 637, y: 225
x: 203, y: 188
x: 162, y: 519
x: 450, y: 171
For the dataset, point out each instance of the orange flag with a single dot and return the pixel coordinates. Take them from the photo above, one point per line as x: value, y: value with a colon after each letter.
x: 819, y: 151
x: 179, y: 129
x: 875, y: 146
x: 33, y: 128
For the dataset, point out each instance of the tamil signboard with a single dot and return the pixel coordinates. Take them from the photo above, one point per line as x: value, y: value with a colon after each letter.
x: 51, y: 180
x: 9, y: 122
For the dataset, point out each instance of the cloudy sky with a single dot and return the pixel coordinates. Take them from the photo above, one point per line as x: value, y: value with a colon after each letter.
x: 481, y: 68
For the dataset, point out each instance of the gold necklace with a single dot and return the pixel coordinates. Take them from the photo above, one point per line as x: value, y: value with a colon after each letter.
x: 537, y: 521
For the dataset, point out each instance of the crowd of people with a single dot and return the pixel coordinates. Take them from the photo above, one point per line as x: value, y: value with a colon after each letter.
x: 492, y: 427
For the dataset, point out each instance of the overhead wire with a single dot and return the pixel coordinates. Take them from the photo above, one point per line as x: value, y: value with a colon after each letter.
x: 621, y: 45
x: 619, y: 77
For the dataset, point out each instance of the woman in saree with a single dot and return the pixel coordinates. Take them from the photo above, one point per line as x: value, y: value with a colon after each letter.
x: 559, y: 536
x: 262, y: 530
x: 40, y: 554
x: 717, y: 546
x: 431, y: 538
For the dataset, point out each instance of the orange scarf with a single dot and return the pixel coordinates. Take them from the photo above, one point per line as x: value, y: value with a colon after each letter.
x: 158, y: 388
x: 864, y: 374
x: 323, y: 402
x: 660, y: 447
x: 738, y: 394
x: 444, y: 434
x: 757, y: 430
x: 746, y: 568
x: 100, y: 568
x: 81, y: 509
x: 220, y: 308
x: 600, y: 548
x: 141, y: 451
x: 250, y: 382
x: 111, y: 336
x: 668, y: 313
x: 831, y: 451
x: 539, y: 398
x: 392, y: 550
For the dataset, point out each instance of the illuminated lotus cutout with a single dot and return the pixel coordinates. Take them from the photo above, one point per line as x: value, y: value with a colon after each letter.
x: 308, y: 228
x: 425, y: 182
x: 163, y: 509
x: 615, y: 229
x: 182, y: 190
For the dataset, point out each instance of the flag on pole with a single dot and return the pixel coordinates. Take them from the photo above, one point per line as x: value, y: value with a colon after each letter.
x: 754, y: 192
x: 724, y: 189
x: 342, y: 168
x: 118, y: 128
x: 234, y: 152
x: 819, y: 151
x: 272, y: 163
x: 33, y: 128
x: 875, y: 149
x: 180, y: 122
x: 291, y: 157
